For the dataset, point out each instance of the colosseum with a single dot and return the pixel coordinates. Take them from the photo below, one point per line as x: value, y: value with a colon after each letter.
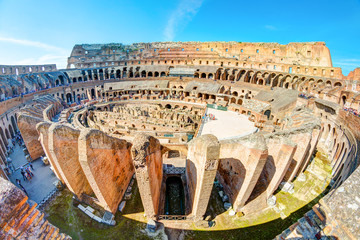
x: 181, y: 140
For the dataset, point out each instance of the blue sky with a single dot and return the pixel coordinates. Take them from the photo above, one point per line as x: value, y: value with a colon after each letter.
x: 39, y: 31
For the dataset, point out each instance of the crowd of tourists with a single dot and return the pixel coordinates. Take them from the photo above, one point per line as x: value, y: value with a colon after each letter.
x: 305, y: 96
x: 208, y: 117
x: 353, y: 111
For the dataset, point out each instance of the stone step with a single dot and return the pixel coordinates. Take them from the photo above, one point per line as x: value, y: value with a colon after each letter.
x: 55, y: 234
x: 49, y: 232
x: 30, y: 220
x: 16, y: 215
x: 38, y: 219
x: 25, y: 216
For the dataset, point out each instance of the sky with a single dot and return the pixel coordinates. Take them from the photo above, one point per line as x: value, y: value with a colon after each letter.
x: 45, y: 31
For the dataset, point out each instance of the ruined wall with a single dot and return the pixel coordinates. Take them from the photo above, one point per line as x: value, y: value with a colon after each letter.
x: 241, y: 164
x: 27, y: 127
x: 64, y: 154
x: 281, y: 152
x: 201, y: 168
x: 19, y: 219
x: 147, y: 160
x: 107, y: 165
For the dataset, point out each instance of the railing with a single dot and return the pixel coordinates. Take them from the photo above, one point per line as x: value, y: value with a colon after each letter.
x: 174, y: 170
x: 173, y: 217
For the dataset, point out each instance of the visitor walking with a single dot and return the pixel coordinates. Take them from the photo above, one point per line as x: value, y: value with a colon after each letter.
x: 21, y: 186
x: 22, y: 171
x: 10, y: 164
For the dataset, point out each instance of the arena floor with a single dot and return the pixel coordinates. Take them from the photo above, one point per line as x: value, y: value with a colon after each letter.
x: 227, y: 124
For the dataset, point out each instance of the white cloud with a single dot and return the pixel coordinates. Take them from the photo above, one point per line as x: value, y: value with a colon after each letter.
x: 45, y: 53
x: 31, y: 43
x: 180, y: 17
x: 347, y: 64
x: 270, y: 27
x: 59, y: 60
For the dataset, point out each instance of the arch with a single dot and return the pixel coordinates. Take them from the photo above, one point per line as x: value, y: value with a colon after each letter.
x: 13, y: 122
x: 267, y: 113
x: 203, y: 75
x: 143, y: 74
x: 168, y: 106
x: 211, y: 76
x: 156, y: 74
x: 337, y: 84
x: 343, y: 100
x: 12, y: 134
x: 163, y: 74
x: 69, y: 98
x: 7, y: 134
x: 150, y: 74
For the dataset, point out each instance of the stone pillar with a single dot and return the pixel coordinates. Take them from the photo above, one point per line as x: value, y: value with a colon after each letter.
x: 107, y: 165
x: 43, y: 129
x: 303, y: 146
x: 247, y: 158
x: 282, y: 160
x: 147, y: 159
x: 63, y: 149
x: 201, y: 168
x: 27, y: 127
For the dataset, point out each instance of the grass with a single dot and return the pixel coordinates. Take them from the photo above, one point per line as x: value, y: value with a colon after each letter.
x: 72, y: 221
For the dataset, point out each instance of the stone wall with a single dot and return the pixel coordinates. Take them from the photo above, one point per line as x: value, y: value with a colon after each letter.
x: 107, y: 165
x: 27, y: 127
x: 241, y: 163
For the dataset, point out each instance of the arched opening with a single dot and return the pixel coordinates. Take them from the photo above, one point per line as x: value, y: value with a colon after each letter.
x: 7, y: 134
x: 12, y: 134
x: 3, y: 136
x: 13, y: 122
x: 168, y: 106
x: 211, y: 76
x: 343, y: 100
x: 163, y: 74
x: 156, y: 74
x: 267, y: 113
x: 92, y: 93
x: 143, y: 74
x: 118, y: 74
x: 203, y: 75
x: 68, y: 98
x: 174, y: 196
x: 150, y: 74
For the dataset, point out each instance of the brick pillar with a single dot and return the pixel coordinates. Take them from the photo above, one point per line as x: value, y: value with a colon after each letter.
x: 201, y: 168
x: 147, y: 160
x: 63, y: 149
x: 107, y: 165
x: 282, y: 161
x: 43, y: 129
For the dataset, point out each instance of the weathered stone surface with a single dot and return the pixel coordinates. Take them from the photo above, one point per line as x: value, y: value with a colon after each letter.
x: 201, y: 168
x: 27, y: 127
x: 147, y: 159
x: 241, y: 164
x: 107, y: 165
x: 64, y: 152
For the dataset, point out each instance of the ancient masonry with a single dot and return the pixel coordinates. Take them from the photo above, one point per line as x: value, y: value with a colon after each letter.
x: 124, y: 111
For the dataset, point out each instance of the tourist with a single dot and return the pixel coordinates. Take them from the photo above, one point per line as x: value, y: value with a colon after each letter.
x: 29, y: 172
x: 10, y: 164
x: 21, y: 186
x: 22, y: 171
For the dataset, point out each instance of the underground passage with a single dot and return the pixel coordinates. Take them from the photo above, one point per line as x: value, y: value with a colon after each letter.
x: 174, y: 198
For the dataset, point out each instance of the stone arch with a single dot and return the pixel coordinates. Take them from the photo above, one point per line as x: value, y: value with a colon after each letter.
x: 12, y: 134
x: 7, y: 134
x: 203, y: 75
x: 13, y: 122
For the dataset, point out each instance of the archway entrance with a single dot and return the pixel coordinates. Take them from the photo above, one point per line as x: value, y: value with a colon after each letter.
x: 174, y: 198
